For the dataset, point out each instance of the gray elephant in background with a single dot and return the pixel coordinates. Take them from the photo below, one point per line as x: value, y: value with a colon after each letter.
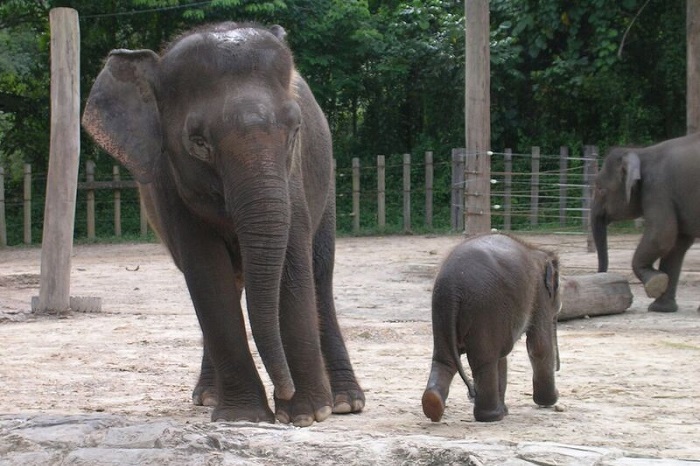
x: 662, y: 184
x: 234, y: 162
x: 489, y: 291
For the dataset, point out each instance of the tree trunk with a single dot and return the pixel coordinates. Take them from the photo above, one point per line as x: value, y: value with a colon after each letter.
x: 594, y: 295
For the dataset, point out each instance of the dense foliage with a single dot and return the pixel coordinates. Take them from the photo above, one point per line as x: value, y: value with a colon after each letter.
x: 390, y: 73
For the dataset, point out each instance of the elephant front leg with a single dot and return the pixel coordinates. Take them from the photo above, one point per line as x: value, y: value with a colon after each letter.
x: 299, y: 325
x: 655, y: 243
x: 671, y: 264
x: 542, y: 353
x: 238, y: 389
x: 204, y: 393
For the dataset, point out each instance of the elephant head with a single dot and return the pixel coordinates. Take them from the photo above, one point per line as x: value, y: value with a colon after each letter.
x: 615, y: 197
x: 217, y: 117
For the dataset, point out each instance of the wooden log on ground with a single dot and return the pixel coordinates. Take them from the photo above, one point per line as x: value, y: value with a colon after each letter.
x: 594, y: 295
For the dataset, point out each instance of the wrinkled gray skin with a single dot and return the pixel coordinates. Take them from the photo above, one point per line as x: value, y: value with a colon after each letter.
x: 234, y: 160
x: 488, y: 292
x: 662, y: 184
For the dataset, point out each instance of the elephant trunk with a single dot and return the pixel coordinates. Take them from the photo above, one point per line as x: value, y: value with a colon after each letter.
x: 599, y: 225
x: 261, y: 212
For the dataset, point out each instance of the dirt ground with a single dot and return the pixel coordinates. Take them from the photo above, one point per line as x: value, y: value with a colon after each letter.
x: 627, y: 381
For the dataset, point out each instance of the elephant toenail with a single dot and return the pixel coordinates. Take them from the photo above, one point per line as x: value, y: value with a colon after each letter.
x: 283, y: 417
x: 323, y: 413
x: 342, y: 407
x: 303, y: 421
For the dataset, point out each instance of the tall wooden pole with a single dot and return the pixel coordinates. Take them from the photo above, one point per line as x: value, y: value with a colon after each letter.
x: 692, y: 99
x: 477, y: 84
x: 64, y: 155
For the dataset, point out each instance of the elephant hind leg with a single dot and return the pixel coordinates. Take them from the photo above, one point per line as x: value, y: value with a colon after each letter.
x: 433, y: 404
x: 204, y: 393
x: 488, y: 406
x: 348, y: 396
x: 437, y: 390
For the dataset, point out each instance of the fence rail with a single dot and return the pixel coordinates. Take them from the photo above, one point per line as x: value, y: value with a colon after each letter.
x: 395, y: 193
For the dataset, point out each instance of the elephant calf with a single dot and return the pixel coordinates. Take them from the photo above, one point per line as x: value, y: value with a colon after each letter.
x: 488, y: 292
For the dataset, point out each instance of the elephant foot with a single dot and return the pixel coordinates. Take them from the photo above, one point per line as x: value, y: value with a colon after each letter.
x: 433, y: 404
x: 204, y: 396
x: 546, y: 398
x: 656, y: 285
x: 490, y: 415
x: 348, y: 396
x: 302, y: 411
x: 663, y: 305
x: 351, y: 401
x: 233, y: 414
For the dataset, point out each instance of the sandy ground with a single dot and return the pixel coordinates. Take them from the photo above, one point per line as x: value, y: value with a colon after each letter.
x: 627, y: 381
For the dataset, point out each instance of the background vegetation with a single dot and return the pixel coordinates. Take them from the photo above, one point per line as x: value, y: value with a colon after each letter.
x: 390, y: 73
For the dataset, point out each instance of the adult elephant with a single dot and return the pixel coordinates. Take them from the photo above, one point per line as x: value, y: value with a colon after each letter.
x: 234, y: 161
x: 662, y: 184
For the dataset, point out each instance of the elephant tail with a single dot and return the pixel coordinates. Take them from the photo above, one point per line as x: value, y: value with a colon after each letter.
x: 458, y: 359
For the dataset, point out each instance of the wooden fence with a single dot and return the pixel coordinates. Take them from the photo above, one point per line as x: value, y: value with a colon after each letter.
x: 558, y: 195
x: 555, y: 190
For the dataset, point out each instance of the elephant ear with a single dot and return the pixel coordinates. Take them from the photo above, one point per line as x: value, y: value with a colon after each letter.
x: 632, y: 172
x: 121, y: 113
x: 279, y: 32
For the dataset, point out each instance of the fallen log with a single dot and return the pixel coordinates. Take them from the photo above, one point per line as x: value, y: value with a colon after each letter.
x: 594, y: 295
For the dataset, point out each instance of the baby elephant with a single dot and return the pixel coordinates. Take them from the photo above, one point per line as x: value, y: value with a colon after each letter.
x: 489, y: 291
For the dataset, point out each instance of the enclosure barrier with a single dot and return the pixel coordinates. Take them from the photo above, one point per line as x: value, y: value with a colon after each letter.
x: 528, y: 190
x: 543, y: 189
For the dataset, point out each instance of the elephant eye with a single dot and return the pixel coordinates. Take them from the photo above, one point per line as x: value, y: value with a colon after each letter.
x: 200, y: 148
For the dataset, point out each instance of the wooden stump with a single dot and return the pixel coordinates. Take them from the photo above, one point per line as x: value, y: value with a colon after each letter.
x: 594, y: 295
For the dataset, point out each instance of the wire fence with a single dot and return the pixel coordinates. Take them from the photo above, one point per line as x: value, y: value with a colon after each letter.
x: 390, y: 194
x: 525, y: 191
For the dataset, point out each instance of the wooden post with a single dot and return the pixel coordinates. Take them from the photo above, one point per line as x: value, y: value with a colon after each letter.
x: 457, y: 198
x: 535, y: 186
x: 508, y: 189
x: 429, y: 189
x: 143, y: 218
x: 472, y: 194
x: 477, y: 113
x: 90, y: 177
x: 28, y: 203
x: 356, y: 195
x: 117, y: 204
x: 64, y: 154
x: 406, y: 193
x: 563, y: 173
x: 692, y: 31
x: 590, y: 168
x: 381, y: 192
x: 3, y: 223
